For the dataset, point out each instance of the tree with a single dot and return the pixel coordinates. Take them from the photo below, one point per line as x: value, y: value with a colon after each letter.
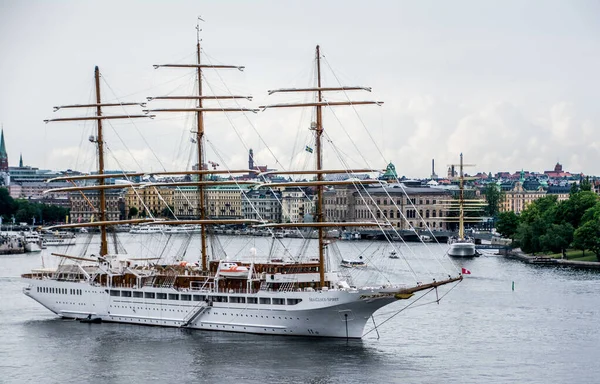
x: 588, y: 237
x: 557, y: 238
x: 507, y: 224
x: 494, y: 197
x: 7, y: 204
x: 525, y: 237
x: 133, y: 211
x: 585, y: 184
x: 573, y: 209
x: 574, y: 189
x: 167, y: 212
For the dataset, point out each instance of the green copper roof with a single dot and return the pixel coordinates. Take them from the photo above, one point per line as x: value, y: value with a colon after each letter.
x: 390, y: 172
x: 2, y: 146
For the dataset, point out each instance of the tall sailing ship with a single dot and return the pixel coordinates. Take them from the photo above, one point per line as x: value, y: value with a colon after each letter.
x: 303, y: 297
x: 463, y: 245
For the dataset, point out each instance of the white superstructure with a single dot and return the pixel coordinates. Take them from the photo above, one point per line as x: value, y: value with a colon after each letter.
x: 72, y: 291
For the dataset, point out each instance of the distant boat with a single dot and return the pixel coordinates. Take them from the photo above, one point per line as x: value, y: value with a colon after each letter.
x: 394, y: 255
x: 426, y: 238
x: 353, y: 264
x: 464, y: 247
x: 32, y: 241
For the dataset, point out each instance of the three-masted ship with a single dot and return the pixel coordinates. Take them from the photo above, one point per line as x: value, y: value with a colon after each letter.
x: 275, y: 297
x: 463, y: 245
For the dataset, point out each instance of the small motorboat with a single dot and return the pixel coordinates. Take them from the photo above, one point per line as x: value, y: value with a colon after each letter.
x: 394, y: 255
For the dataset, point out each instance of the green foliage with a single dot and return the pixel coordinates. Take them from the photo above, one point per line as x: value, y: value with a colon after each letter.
x: 588, y: 237
x: 557, y: 238
x: 549, y: 225
x: 493, y: 197
x: 585, y: 184
x: 573, y: 209
x: 24, y: 211
x: 133, y: 211
x: 167, y: 212
x: 7, y: 204
x: 507, y: 224
x: 574, y: 189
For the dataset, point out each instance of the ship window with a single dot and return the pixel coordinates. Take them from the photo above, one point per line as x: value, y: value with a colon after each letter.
x: 252, y: 300
x: 293, y: 301
x: 115, y: 293
x: 149, y: 295
x: 278, y: 301
x: 173, y: 296
x: 199, y: 297
x: 240, y: 299
x: 265, y: 300
x: 161, y: 296
x: 138, y: 294
x: 220, y: 299
x: 186, y: 297
x: 126, y: 293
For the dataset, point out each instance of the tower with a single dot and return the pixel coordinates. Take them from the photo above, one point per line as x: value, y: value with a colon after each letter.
x: 250, y: 159
x: 3, y: 155
x: 21, y: 161
x: 433, y: 175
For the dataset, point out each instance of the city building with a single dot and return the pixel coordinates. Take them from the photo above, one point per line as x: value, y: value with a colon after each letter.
x: 262, y: 205
x: 151, y: 201
x: 403, y: 206
x: 224, y: 202
x: 84, y: 207
x: 296, y: 204
x: 519, y: 194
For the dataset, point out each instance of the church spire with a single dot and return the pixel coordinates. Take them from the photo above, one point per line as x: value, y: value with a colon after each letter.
x: 3, y: 154
x: 21, y: 161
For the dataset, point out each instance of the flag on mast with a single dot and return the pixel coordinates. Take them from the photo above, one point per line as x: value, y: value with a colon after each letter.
x: 308, y: 149
x: 465, y: 271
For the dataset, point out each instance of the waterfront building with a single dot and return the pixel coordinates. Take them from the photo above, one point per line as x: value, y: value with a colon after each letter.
x: 224, y: 202
x: 34, y: 190
x: 420, y: 205
x: 562, y: 192
x: 84, y: 208
x: 185, y: 201
x: 261, y: 205
x: 296, y: 202
x: 519, y: 194
x: 154, y: 201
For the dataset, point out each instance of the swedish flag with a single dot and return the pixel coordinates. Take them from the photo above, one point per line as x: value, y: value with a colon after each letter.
x: 309, y: 149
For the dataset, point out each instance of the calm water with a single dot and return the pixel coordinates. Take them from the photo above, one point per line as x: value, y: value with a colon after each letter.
x: 546, y: 331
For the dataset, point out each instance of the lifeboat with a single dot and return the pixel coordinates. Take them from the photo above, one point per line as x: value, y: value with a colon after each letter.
x: 233, y: 270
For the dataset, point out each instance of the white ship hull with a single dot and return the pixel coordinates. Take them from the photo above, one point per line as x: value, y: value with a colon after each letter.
x: 333, y: 313
x: 32, y: 247
x: 462, y: 249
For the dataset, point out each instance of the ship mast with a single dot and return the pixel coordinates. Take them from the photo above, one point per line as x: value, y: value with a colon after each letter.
x: 318, y: 128
x: 200, y: 110
x: 200, y: 150
x: 99, y: 140
x: 461, y: 202
x: 318, y: 134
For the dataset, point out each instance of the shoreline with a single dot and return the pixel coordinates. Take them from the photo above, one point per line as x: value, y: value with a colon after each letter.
x: 545, y: 260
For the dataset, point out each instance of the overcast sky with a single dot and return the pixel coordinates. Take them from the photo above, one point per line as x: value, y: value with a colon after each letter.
x: 511, y: 84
